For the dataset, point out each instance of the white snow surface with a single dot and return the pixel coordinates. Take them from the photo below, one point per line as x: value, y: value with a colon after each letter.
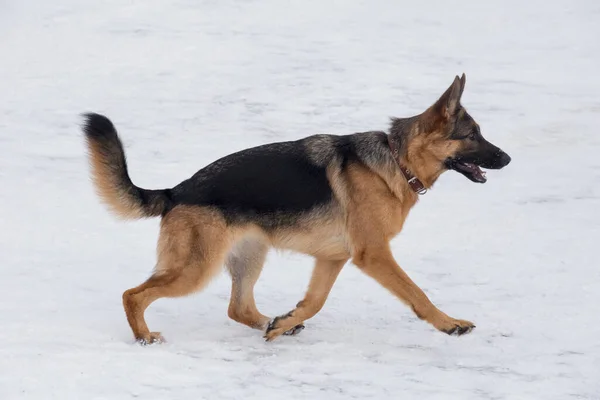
x: 189, y: 81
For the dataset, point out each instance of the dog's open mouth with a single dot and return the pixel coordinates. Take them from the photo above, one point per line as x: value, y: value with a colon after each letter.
x: 470, y: 170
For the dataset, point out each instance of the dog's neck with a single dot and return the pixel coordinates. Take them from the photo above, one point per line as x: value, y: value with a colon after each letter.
x: 419, y: 179
x: 415, y: 183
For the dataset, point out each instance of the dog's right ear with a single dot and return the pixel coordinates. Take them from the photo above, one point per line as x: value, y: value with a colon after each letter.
x: 449, y: 103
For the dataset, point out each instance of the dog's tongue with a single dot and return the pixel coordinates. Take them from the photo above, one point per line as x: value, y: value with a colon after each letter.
x: 478, y: 174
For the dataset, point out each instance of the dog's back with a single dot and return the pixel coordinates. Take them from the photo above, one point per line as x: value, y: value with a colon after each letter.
x: 267, y: 185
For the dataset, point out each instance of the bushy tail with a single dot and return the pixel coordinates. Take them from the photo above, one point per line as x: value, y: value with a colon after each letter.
x: 110, y: 176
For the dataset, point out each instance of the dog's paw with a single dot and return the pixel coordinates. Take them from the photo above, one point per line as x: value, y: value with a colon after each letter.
x: 150, y: 338
x: 458, y: 327
x: 277, y: 327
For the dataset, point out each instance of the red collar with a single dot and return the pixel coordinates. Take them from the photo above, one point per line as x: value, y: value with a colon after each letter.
x: 415, y: 184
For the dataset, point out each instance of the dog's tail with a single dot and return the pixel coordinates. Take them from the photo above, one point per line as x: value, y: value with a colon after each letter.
x: 110, y: 176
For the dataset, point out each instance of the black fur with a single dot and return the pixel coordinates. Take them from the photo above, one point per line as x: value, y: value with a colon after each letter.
x: 400, y: 131
x: 345, y: 148
x: 270, y: 185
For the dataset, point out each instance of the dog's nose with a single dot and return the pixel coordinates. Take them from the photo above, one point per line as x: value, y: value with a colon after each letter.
x: 503, y: 159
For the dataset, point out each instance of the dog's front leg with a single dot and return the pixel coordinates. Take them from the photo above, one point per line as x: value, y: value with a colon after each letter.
x: 323, y: 277
x: 381, y: 266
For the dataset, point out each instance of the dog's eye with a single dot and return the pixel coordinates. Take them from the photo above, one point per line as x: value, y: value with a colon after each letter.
x: 473, y: 136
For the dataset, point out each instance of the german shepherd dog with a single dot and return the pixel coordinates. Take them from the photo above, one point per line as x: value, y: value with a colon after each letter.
x: 336, y: 198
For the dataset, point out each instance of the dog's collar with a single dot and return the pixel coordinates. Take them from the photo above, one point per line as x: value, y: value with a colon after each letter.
x: 415, y: 184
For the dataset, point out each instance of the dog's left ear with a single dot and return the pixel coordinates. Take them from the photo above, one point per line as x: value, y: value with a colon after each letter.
x: 449, y: 103
x: 463, y: 81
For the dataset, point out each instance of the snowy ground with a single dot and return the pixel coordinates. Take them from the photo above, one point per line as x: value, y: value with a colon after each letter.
x: 189, y: 81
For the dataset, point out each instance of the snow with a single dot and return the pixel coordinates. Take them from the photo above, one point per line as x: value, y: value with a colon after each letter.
x: 189, y: 81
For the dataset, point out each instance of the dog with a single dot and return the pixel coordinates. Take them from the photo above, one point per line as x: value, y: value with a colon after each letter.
x: 336, y: 198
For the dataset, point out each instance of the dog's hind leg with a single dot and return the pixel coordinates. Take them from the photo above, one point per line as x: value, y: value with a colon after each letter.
x: 323, y: 277
x: 191, y: 250
x: 245, y: 262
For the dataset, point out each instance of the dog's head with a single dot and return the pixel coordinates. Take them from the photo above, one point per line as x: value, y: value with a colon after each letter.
x: 446, y: 137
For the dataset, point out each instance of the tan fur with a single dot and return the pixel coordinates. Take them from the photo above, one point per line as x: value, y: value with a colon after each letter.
x: 426, y: 153
x: 245, y: 263
x: 371, y: 230
x: 321, y: 282
x: 108, y: 188
x: 321, y: 235
x: 192, y: 247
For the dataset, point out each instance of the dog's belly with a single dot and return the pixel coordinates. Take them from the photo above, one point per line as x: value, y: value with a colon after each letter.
x: 327, y: 241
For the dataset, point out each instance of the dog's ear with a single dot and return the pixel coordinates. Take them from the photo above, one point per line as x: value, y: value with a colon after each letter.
x: 449, y: 103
